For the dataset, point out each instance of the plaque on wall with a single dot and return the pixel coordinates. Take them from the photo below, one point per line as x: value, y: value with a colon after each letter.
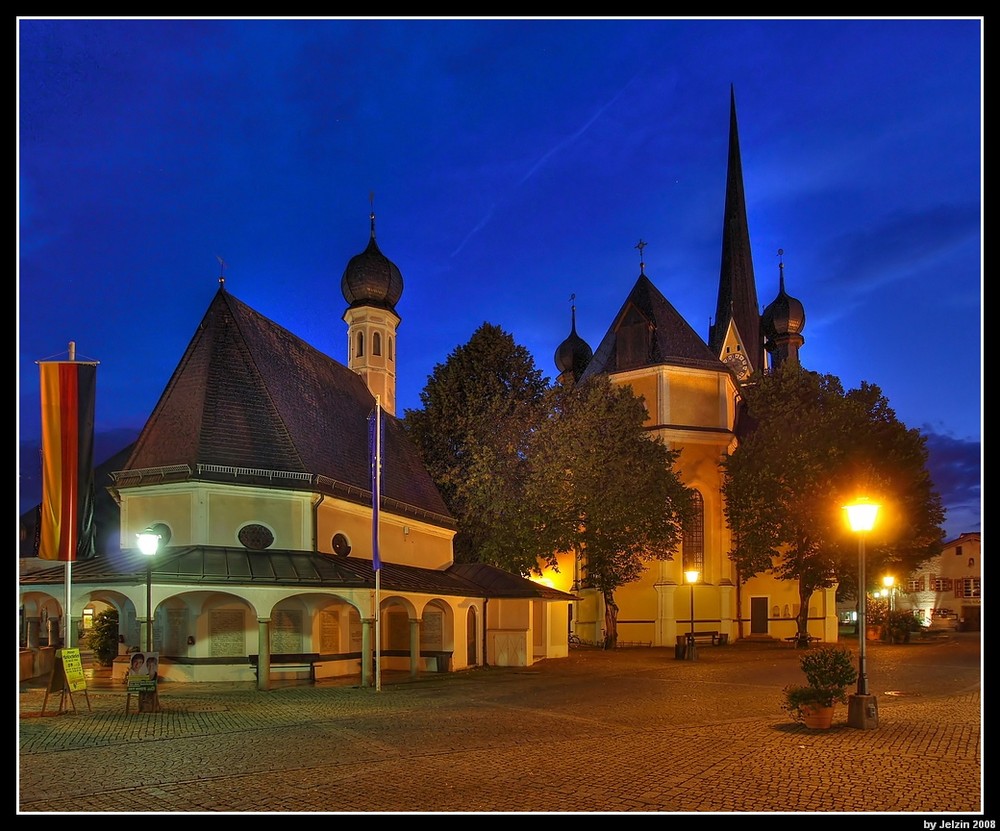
x: 329, y: 631
x: 226, y: 633
x: 286, y: 630
x: 431, y: 628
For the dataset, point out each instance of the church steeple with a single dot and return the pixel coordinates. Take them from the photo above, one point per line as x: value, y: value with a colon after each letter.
x: 737, y: 316
x: 372, y: 285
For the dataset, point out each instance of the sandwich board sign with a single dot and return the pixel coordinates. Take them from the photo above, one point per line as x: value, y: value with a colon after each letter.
x: 67, y: 678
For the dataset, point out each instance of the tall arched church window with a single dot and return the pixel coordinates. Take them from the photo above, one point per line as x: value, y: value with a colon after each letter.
x: 376, y: 344
x: 391, y: 357
x: 694, y: 536
x: 360, y: 349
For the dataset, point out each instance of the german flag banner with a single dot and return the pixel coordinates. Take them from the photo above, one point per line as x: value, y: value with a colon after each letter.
x: 66, y: 521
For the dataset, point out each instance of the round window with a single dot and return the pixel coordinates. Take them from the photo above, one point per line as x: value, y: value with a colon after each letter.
x: 255, y: 537
x: 341, y: 545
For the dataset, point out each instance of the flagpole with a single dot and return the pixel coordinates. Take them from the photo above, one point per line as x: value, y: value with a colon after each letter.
x: 73, y: 538
x: 376, y: 558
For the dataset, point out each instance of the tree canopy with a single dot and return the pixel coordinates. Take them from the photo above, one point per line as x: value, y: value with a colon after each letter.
x: 480, y: 408
x: 808, y: 450
x: 604, y: 487
x: 531, y: 470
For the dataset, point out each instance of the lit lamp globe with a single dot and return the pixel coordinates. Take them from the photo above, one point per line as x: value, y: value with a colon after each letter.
x: 861, y: 516
x: 148, y: 541
x: 862, y: 707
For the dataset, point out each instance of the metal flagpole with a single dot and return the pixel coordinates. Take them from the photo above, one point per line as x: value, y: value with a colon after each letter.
x: 376, y: 559
x: 73, y: 538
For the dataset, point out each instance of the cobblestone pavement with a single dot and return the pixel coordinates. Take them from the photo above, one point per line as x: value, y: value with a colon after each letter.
x: 629, y: 730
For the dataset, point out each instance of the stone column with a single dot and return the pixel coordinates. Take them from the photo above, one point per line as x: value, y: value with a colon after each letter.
x: 263, y: 653
x: 366, y: 651
x: 414, y: 646
x: 32, y: 626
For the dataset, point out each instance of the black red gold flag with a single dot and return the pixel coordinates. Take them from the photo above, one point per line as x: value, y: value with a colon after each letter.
x: 66, y: 521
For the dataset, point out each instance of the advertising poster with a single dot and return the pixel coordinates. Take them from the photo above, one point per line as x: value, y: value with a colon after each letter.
x: 143, y: 671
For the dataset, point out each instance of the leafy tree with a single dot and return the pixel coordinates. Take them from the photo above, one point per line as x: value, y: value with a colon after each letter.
x: 103, y: 637
x: 479, y: 410
x: 812, y: 448
x: 605, y: 488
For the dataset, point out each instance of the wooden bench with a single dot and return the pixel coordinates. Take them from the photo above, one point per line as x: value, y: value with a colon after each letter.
x: 717, y: 638
x: 794, y: 640
x: 289, y: 662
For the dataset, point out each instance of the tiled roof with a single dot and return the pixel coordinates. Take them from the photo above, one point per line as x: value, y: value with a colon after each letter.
x: 248, y: 394
x: 673, y: 340
x: 220, y: 566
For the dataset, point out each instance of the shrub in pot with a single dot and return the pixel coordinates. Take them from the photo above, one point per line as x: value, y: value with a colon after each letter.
x: 829, y: 671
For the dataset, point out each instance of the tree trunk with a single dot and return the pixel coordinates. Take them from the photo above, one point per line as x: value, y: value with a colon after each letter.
x: 802, y: 619
x: 739, y: 605
x: 610, y: 621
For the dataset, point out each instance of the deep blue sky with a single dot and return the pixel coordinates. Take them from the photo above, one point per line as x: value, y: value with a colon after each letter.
x: 513, y: 163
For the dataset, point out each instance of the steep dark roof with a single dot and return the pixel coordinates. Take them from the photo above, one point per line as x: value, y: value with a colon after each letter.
x: 737, y: 298
x: 204, y: 565
x: 249, y: 394
x: 669, y: 339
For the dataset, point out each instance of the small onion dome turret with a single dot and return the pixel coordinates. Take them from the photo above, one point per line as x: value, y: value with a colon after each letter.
x: 371, y: 278
x: 573, y: 354
x: 785, y: 315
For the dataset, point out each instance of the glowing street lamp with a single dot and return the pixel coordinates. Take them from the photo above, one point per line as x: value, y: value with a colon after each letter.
x: 862, y: 708
x: 692, y: 578
x: 149, y: 544
x: 889, y: 582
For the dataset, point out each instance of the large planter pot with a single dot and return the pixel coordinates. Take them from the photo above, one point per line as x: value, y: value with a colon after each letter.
x: 816, y: 717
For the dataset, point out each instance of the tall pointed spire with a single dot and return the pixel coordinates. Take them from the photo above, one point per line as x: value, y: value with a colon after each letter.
x: 737, y: 301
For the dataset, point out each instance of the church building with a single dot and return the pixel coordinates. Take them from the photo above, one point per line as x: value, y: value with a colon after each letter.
x: 691, y: 388
x: 253, y: 475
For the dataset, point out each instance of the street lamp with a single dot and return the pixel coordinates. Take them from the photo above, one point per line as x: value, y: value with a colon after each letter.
x: 862, y: 708
x: 692, y: 578
x: 149, y: 544
x: 888, y: 581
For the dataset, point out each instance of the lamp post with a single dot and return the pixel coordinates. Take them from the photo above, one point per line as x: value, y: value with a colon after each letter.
x: 692, y: 577
x: 889, y: 582
x: 862, y: 708
x: 149, y: 544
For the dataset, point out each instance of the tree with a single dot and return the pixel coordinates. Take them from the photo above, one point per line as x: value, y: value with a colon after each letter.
x: 479, y: 410
x: 811, y: 449
x: 604, y: 487
x: 103, y: 637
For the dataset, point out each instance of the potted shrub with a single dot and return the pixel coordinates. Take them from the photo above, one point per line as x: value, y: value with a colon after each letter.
x: 901, y: 625
x: 829, y: 671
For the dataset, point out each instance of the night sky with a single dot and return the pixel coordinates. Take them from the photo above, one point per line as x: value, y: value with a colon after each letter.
x: 513, y: 163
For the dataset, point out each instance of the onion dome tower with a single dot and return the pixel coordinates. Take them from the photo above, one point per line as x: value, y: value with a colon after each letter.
x: 783, y: 322
x: 573, y: 354
x: 372, y: 285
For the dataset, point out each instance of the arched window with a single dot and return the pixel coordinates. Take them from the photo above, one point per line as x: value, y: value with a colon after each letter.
x: 376, y: 344
x: 360, y: 351
x: 391, y: 358
x: 694, y: 536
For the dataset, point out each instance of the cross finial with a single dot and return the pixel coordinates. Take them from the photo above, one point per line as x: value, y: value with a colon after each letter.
x: 222, y: 270
x: 642, y: 265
